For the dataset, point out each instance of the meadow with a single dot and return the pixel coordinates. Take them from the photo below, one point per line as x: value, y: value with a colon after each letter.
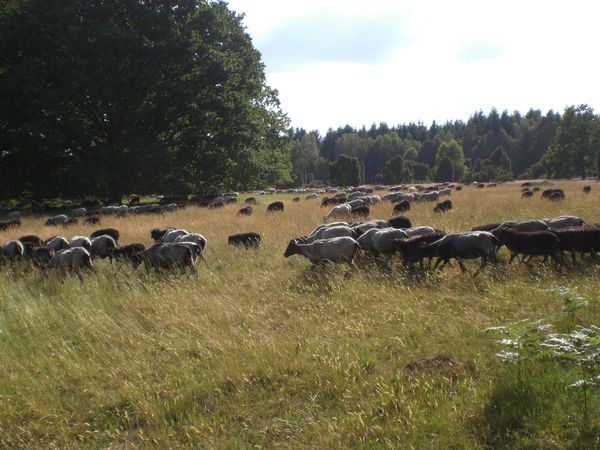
x: 259, y: 351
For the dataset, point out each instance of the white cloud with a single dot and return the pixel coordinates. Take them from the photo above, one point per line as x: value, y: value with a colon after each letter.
x: 449, y: 60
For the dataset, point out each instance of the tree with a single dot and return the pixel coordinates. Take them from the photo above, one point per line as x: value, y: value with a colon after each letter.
x: 445, y: 170
x: 394, y: 171
x: 304, y: 151
x: 345, y: 171
x: 452, y: 150
x: 134, y: 95
x: 420, y: 171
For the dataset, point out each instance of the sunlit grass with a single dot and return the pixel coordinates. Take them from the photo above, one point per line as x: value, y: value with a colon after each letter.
x: 259, y: 350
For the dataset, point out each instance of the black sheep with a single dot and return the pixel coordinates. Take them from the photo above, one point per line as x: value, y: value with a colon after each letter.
x: 413, y: 249
x: 486, y: 227
x: 401, y: 207
x: 246, y: 240
x: 112, y: 232
x: 400, y: 222
x: 245, y: 211
x: 530, y: 243
x: 362, y: 211
x: 442, y: 207
x: 275, y: 206
x: 579, y: 240
x: 133, y: 253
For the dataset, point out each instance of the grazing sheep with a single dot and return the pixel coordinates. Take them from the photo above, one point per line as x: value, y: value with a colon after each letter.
x: 14, y: 215
x: 250, y: 201
x: 73, y: 259
x: 340, y: 210
x: 523, y: 225
x: 103, y: 247
x: 112, y: 232
x: 245, y: 211
x: 400, y: 222
x: 56, y: 220
x: 92, y: 220
x: 57, y: 243
x: 339, y: 249
x: 587, y: 189
x: 296, y: 199
x: 108, y: 210
x: 442, y: 207
x: 41, y: 256
x: 530, y: 243
x: 311, y: 196
x: 13, y: 249
x: 275, y: 206
x: 171, y: 235
x: 246, y: 240
x: 362, y: 211
x: 15, y: 223
x: 36, y: 241
x: 216, y: 205
x: 432, y: 196
x: 169, y: 256
x: 470, y: 245
x: 80, y: 241
x: 556, y: 196
x: 401, y: 207
x: 133, y: 253
x: 382, y: 241
x: 78, y: 212
x: 527, y: 194
x: 157, y: 234
x: 196, y: 238
x: 458, y: 188
x: 419, y: 231
x: 553, y: 194
x: 564, y: 222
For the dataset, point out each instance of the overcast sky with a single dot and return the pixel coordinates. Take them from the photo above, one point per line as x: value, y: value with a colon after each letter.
x: 338, y: 62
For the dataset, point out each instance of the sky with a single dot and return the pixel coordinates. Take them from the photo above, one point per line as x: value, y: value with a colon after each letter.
x: 338, y: 62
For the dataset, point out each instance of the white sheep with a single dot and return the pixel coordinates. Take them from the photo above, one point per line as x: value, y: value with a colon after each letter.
x: 340, y: 210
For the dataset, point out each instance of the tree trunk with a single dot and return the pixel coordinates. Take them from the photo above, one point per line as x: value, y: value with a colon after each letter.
x: 115, y: 192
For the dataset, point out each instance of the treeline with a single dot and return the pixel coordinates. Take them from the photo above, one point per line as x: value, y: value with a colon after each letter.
x: 493, y: 146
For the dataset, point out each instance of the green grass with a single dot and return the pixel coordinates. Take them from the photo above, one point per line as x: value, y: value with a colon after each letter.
x: 263, y: 351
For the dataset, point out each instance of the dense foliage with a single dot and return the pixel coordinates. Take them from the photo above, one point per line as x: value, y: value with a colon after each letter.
x: 487, y: 147
x: 109, y: 97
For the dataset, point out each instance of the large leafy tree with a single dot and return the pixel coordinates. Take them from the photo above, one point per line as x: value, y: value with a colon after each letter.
x: 345, y: 171
x: 113, y: 96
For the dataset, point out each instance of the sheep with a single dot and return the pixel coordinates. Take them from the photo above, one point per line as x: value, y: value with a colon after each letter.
x: 548, y: 192
x: 339, y: 249
x: 250, y: 201
x: 57, y: 243
x: 78, y: 212
x: 577, y: 240
x: 108, y: 210
x: 92, y: 220
x: 103, y: 247
x: 419, y: 231
x: 169, y: 256
x: 296, y: 199
x: 470, y: 245
x: 526, y: 194
x: 400, y: 222
x: 382, y: 241
x: 311, y: 196
x: 328, y: 225
x: 524, y: 225
x: 73, y: 259
x: 132, y: 253
x: 56, y: 220
x: 121, y: 211
x: 356, y: 203
x: 401, y: 207
x: 587, y: 189
x: 171, y: 207
x: 245, y: 211
x: 196, y: 238
x: 432, y: 196
x: 246, y: 240
x: 157, y: 234
x: 328, y: 233
x: 15, y: 223
x: 112, y: 232
x: 412, y: 249
x: 14, y: 215
x: 361, y: 228
x: 194, y: 248
x: 556, y: 196
x: 442, y: 207
x: 13, y: 249
x: 486, y: 227
x: 445, y: 191
x: 80, y: 241
x: 560, y: 222
x: 275, y: 206
x: 41, y: 256
x: 171, y: 235
x: 362, y: 211
x: 340, y: 210
x: 71, y: 221
x: 530, y: 243
x: 216, y: 205
x: 36, y: 241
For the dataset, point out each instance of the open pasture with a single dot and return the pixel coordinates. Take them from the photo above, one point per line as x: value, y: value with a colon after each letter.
x: 259, y: 350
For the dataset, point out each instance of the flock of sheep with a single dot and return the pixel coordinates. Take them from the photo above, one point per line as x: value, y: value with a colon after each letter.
x: 337, y: 242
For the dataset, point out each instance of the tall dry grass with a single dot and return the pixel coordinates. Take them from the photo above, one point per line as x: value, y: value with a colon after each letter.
x: 258, y: 350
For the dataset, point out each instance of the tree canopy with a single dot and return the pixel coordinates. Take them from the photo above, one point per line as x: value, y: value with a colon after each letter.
x: 115, y: 96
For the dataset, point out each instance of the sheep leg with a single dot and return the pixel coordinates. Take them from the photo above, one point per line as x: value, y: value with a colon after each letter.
x: 444, y: 264
x: 463, y: 269
x: 512, y: 256
x: 437, y: 263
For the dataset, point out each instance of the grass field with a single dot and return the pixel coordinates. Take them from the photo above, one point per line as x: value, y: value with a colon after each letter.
x: 261, y: 351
